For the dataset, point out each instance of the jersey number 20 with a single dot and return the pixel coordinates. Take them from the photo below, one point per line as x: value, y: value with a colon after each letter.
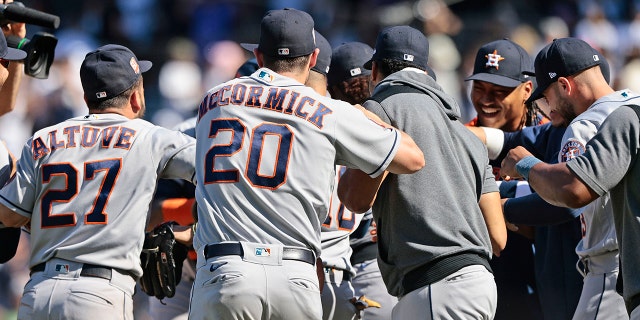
x: 67, y: 171
x: 238, y: 130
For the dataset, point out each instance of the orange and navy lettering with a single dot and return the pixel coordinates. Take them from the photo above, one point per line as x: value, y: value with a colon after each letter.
x: 275, y: 99
x: 89, y: 136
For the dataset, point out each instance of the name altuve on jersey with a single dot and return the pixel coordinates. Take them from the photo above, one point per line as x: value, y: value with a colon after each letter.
x: 276, y: 100
x: 84, y: 136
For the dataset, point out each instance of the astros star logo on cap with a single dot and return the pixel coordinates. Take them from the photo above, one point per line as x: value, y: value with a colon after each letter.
x: 493, y: 59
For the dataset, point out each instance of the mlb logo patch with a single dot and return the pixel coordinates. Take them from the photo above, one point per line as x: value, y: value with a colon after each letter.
x: 265, y: 76
x: 101, y: 94
x: 408, y: 57
x: 62, y: 268
x: 263, y: 252
x: 355, y: 71
x: 283, y: 51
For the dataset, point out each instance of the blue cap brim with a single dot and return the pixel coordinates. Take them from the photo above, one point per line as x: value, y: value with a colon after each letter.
x: 249, y: 46
x: 14, y: 54
x: 495, y: 79
x: 144, y: 65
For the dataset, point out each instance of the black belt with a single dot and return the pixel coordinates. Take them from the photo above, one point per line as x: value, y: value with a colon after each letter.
x: 235, y: 249
x: 88, y: 270
x: 439, y: 269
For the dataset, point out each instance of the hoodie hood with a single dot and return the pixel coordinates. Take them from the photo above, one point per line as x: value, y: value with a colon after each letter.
x: 420, y: 80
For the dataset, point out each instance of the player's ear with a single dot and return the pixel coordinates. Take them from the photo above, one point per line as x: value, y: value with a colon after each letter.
x: 565, y: 85
x: 135, y: 101
x: 314, y: 58
x: 528, y: 89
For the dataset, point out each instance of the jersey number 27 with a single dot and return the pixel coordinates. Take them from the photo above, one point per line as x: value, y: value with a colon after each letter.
x: 67, y: 171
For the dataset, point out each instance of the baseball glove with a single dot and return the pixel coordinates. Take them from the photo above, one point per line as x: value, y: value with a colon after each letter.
x: 162, y: 259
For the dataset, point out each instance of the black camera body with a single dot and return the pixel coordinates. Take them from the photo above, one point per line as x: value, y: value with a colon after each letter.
x: 41, y: 48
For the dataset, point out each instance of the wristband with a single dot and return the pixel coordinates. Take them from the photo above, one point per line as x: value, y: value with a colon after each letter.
x: 525, y: 164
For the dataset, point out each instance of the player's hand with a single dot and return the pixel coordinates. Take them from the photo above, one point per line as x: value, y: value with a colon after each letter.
x: 508, y: 167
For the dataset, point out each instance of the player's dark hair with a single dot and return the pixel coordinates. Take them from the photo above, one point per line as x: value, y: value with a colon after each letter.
x: 286, y: 64
x: 354, y: 90
x: 117, y: 101
x: 389, y: 66
x: 534, y: 114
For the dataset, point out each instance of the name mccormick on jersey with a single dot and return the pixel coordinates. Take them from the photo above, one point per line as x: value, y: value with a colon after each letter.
x: 85, y: 137
x: 282, y: 100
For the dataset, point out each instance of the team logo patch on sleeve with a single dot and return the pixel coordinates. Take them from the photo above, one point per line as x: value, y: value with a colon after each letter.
x: 572, y: 149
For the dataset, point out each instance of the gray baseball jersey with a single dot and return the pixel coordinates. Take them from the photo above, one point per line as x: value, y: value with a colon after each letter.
x: 598, y: 230
x: 335, y: 231
x: 267, y: 147
x: 609, y: 164
x: 86, y: 183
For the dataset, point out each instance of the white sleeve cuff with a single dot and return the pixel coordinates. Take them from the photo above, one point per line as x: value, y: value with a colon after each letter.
x: 495, y: 141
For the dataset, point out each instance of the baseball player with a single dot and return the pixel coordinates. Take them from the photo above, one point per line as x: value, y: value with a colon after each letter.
x: 529, y: 285
x: 613, y: 150
x: 586, y: 107
x: 337, y: 292
x: 441, y: 224
x: 348, y: 80
x: 266, y: 152
x: 84, y: 188
x: 598, y: 233
x: 10, y: 75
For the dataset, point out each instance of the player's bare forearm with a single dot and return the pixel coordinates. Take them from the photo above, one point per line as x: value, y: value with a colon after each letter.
x: 12, y: 219
x: 409, y: 157
x: 555, y: 183
x: 357, y: 191
x: 491, y: 208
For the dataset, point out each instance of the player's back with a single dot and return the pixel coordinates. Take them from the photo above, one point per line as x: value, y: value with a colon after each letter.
x: 95, y: 176
x: 269, y: 161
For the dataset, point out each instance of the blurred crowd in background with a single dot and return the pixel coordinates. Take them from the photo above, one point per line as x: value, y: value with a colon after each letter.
x: 194, y: 45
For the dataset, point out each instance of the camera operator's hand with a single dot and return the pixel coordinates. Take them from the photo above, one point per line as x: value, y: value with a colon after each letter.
x: 14, y: 28
x: 9, y: 91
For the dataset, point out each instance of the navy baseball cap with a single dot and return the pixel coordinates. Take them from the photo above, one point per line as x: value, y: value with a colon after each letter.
x: 324, y: 57
x: 110, y: 70
x: 286, y: 33
x: 247, y: 68
x: 562, y: 58
x: 502, y: 62
x: 402, y: 43
x: 7, y: 53
x: 347, y: 62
